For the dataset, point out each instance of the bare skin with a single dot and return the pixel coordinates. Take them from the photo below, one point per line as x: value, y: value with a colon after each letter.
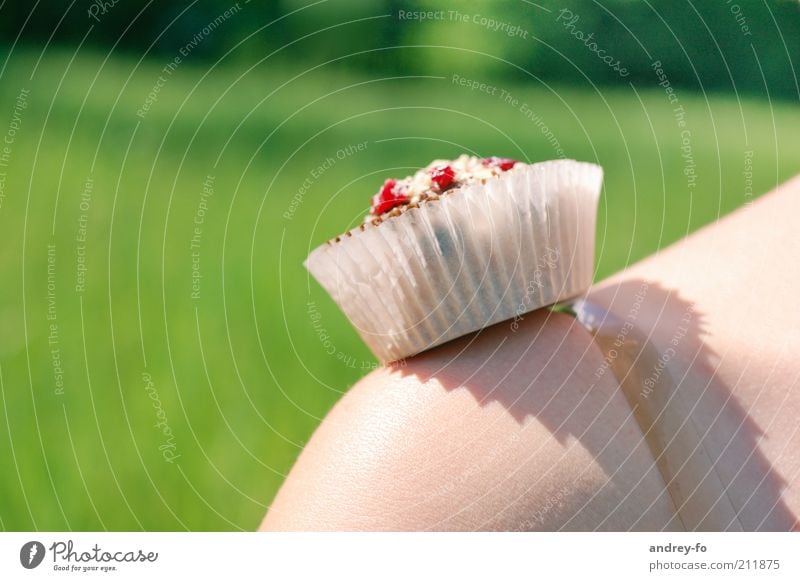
x: 531, y: 429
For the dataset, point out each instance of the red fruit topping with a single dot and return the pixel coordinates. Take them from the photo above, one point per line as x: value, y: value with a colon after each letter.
x: 442, y: 176
x: 503, y: 163
x: 387, y: 199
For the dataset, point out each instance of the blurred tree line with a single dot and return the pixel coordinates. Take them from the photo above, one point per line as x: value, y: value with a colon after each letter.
x: 747, y: 46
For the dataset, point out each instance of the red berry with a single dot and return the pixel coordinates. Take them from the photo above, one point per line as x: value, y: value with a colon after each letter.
x: 387, y: 191
x: 387, y: 199
x: 442, y: 176
x: 503, y: 163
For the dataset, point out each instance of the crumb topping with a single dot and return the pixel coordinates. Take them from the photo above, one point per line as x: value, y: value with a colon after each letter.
x: 438, y: 177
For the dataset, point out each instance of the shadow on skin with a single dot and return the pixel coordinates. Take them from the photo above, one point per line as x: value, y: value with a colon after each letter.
x: 546, y: 374
x: 704, y: 444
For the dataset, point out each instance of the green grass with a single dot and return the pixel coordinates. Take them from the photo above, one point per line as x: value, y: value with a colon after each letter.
x: 240, y: 372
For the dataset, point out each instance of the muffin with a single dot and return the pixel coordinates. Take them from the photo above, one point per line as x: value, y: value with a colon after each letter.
x: 460, y: 245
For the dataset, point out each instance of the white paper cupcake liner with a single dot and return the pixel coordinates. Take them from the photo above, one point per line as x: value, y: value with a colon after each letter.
x: 475, y: 257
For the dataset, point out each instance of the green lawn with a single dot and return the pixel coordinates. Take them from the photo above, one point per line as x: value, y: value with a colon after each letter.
x: 184, y: 406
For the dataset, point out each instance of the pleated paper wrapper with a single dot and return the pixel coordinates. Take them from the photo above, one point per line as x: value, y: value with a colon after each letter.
x: 477, y: 256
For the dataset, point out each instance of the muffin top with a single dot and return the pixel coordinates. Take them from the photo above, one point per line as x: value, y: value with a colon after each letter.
x: 438, y: 177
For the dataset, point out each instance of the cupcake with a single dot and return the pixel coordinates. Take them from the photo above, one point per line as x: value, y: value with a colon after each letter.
x: 461, y: 245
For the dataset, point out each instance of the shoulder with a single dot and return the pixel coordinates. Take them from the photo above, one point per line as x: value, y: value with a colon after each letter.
x: 509, y: 429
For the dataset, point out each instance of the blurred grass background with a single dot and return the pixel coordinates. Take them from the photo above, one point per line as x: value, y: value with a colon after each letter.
x: 243, y: 370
